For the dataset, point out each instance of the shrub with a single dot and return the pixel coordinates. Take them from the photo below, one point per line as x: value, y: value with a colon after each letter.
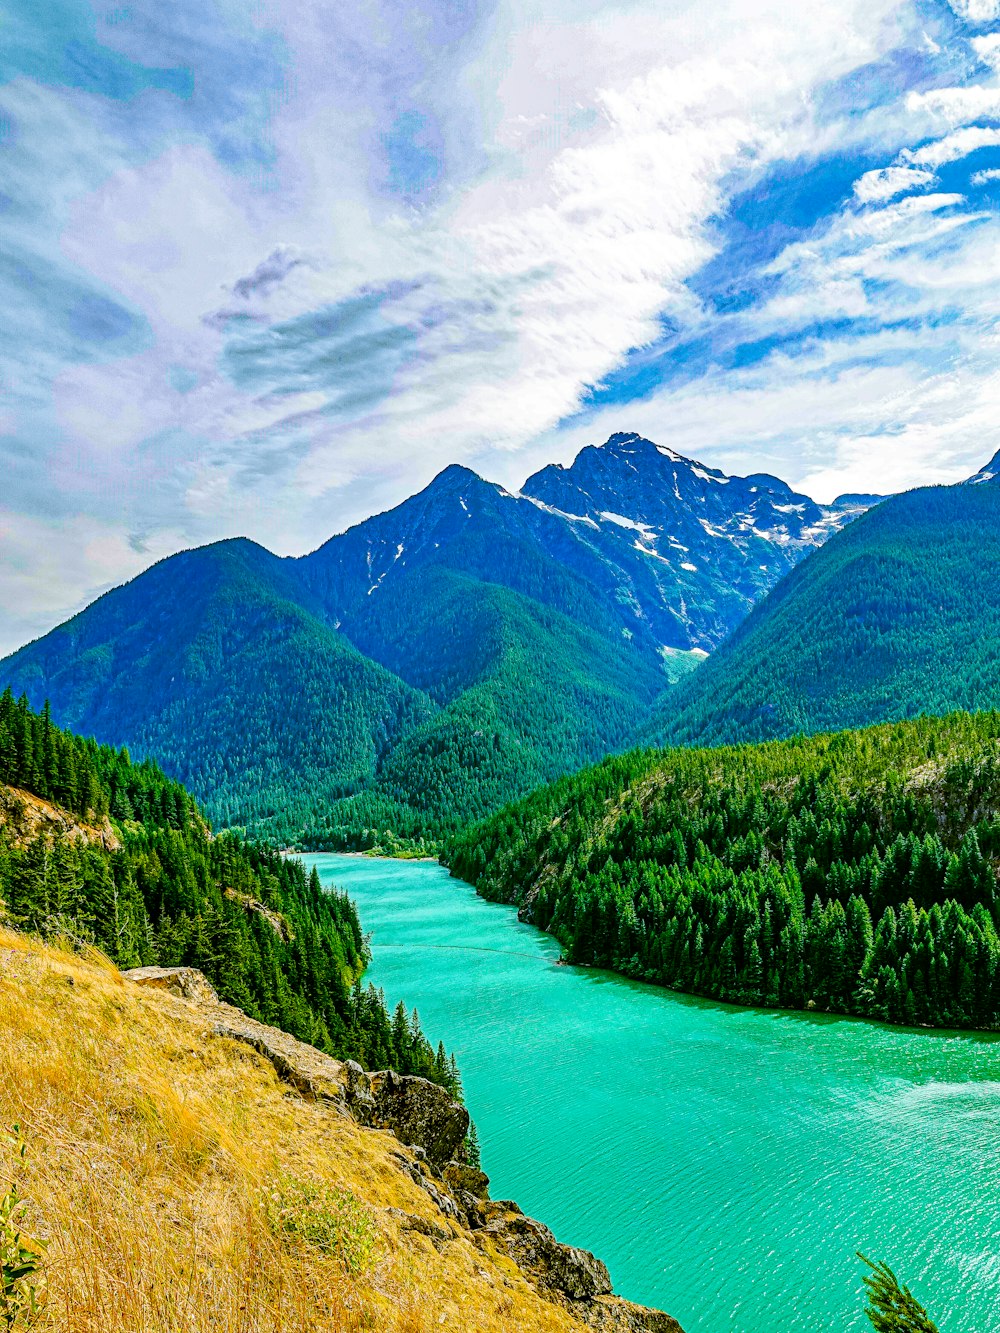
x: 22, y: 1276
x: 316, y: 1216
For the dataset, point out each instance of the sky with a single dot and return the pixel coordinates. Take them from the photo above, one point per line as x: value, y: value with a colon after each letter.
x: 267, y: 268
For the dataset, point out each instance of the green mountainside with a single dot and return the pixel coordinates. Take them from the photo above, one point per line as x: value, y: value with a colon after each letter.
x: 854, y: 873
x: 897, y: 615
x: 432, y: 663
x: 104, y: 851
x: 217, y: 663
x: 526, y: 694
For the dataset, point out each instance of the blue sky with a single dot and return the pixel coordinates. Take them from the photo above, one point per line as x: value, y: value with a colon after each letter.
x: 267, y: 268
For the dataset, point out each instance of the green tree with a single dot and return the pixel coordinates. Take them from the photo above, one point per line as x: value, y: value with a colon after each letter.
x: 893, y: 1308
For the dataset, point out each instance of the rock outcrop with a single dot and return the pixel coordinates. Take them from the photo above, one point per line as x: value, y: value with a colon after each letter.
x: 432, y: 1127
x: 25, y: 817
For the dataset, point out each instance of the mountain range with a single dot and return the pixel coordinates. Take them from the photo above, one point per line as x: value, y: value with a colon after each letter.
x: 897, y: 616
x: 434, y: 661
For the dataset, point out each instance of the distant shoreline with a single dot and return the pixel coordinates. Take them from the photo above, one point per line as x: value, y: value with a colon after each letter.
x: 368, y: 856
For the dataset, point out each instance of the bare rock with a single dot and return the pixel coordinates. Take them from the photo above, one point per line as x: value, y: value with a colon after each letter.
x: 610, y: 1314
x: 25, y: 816
x: 564, y: 1269
x: 461, y: 1178
x: 187, y: 982
x: 418, y: 1112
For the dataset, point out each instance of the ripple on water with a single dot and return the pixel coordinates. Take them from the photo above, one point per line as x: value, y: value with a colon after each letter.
x: 725, y: 1163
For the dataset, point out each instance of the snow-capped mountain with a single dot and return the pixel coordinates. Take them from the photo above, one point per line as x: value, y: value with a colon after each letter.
x: 435, y: 661
x: 676, y: 552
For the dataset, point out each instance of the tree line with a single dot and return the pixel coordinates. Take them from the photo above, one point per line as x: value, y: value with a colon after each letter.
x: 852, y: 873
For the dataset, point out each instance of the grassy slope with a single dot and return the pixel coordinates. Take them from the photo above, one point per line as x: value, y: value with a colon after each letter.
x: 897, y: 615
x: 152, y: 1148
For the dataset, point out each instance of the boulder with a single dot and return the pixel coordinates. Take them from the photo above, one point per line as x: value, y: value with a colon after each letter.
x: 418, y: 1112
x: 187, y: 982
x: 463, y: 1179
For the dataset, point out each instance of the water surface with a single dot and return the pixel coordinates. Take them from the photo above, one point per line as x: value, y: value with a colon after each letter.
x: 725, y: 1163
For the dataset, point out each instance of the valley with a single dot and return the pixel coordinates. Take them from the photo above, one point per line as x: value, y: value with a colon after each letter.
x: 432, y: 663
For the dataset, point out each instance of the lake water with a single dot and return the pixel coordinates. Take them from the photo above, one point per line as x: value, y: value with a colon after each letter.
x: 725, y: 1163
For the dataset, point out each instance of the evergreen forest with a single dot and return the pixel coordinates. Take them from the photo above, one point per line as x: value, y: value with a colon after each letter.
x: 892, y: 618
x: 850, y: 873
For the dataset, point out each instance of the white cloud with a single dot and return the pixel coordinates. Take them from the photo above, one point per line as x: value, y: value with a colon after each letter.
x: 589, y: 153
x: 876, y: 187
x: 50, y: 568
x: 952, y: 147
x: 988, y: 49
x: 977, y: 11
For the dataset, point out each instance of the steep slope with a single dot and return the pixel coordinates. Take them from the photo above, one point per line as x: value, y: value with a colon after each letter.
x: 219, y: 662
x: 527, y: 693
x: 435, y: 661
x: 631, y: 537
x: 853, y: 873
x: 896, y: 616
x: 96, y: 849
x: 191, y: 1169
x: 697, y: 548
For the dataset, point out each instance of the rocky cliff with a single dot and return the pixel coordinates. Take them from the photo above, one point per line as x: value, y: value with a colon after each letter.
x: 431, y: 1128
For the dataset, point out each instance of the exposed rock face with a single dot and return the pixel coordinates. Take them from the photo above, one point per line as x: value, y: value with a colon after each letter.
x: 418, y: 1112
x: 610, y: 1314
x: 432, y: 1126
x: 187, y: 982
x: 533, y: 1248
x: 274, y: 919
x: 462, y: 1179
x: 25, y: 816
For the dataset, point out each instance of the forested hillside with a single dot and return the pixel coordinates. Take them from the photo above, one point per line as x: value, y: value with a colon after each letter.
x: 139, y: 874
x: 526, y: 694
x: 897, y: 615
x: 219, y: 664
x: 854, y: 872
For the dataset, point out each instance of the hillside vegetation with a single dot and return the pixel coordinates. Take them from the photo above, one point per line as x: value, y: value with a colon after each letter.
x: 217, y: 663
x: 139, y: 874
x: 525, y: 694
x: 897, y: 615
x: 178, y: 1187
x: 854, y: 872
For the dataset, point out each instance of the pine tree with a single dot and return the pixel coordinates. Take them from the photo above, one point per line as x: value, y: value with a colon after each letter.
x: 891, y: 1307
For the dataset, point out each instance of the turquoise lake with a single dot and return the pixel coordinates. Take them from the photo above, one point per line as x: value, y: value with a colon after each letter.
x: 725, y: 1163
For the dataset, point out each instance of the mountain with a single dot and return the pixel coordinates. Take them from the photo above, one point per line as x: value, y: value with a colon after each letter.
x: 850, y: 873
x: 434, y: 661
x: 897, y: 615
x: 697, y: 548
x: 218, y: 662
x: 988, y: 473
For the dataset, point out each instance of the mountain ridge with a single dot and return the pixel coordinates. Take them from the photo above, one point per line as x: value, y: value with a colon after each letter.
x: 894, y: 617
x: 431, y: 662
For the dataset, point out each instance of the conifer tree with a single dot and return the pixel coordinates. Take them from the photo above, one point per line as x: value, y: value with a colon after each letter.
x: 893, y: 1308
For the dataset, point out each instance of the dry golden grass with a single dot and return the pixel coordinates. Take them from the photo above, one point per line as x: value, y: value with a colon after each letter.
x: 152, y: 1149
